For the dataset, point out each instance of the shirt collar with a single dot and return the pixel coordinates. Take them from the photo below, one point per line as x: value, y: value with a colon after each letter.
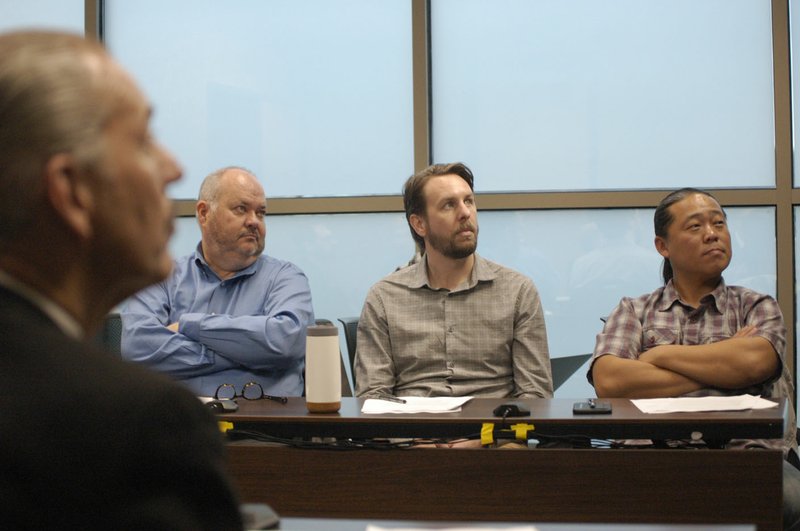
x: 200, y: 261
x: 66, y: 322
x: 481, y: 272
x: 717, y: 298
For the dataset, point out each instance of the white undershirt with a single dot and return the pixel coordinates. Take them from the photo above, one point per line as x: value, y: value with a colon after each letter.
x: 68, y: 324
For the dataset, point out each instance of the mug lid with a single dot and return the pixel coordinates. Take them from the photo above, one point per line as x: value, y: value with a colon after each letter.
x: 322, y: 330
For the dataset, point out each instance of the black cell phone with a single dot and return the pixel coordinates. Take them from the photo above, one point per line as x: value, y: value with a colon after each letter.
x: 591, y: 407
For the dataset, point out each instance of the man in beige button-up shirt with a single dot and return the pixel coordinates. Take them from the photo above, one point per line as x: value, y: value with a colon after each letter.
x: 454, y: 323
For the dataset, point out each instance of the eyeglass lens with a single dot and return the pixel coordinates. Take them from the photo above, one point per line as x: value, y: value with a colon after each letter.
x: 225, y: 392
x: 250, y: 391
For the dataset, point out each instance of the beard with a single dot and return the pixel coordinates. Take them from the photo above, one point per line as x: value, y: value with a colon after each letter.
x: 231, y: 250
x: 450, y: 248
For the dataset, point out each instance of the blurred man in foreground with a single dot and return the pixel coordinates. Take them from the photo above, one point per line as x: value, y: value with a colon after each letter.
x: 88, y: 441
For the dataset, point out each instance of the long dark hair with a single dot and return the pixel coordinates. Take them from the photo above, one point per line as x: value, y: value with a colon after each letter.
x: 663, y: 218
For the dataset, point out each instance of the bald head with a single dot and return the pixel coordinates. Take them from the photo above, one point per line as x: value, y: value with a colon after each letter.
x: 230, y: 210
x: 212, y: 184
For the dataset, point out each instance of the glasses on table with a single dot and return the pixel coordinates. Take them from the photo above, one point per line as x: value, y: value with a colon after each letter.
x: 250, y: 391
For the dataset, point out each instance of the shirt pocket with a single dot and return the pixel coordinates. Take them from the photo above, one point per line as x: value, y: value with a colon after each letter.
x: 653, y: 337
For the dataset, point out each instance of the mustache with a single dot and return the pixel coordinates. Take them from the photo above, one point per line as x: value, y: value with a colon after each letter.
x: 467, y: 226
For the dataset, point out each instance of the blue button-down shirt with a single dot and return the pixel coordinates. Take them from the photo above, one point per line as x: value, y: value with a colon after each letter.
x: 249, y: 327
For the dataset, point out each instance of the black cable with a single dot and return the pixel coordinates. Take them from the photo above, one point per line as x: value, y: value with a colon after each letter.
x: 335, y: 444
x: 544, y: 441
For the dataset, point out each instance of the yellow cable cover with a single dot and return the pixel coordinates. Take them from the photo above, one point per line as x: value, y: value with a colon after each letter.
x: 487, y: 434
x: 521, y: 431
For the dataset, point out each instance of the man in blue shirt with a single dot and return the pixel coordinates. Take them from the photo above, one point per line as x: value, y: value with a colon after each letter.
x: 227, y: 314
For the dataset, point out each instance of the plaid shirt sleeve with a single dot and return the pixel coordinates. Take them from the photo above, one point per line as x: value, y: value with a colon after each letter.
x: 765, y: 314
x: 621, y: 335
x: 532, y: 373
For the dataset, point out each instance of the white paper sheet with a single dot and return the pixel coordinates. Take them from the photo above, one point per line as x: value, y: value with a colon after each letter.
x: 702, y: 403
x: 416, y: 404
x: 371, y: 527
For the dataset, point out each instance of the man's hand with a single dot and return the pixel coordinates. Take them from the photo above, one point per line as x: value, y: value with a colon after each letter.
x: 625, y: 378
x: 747, y: 331
x: 173, y: 327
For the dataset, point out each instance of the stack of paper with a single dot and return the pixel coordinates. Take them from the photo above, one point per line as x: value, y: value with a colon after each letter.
x: 702, y: 403
x: 415, y: 404
x: 372, y: 527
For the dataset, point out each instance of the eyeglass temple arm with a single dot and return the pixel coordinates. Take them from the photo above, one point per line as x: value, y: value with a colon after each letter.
x: 281, y: 399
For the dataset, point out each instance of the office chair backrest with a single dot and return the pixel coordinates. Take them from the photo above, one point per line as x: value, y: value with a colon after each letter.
x: 350, y: 325
x: 565, y: 366
x: 110, y: 335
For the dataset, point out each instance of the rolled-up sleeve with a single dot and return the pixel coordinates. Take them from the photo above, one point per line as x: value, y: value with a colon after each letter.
x: 530, y: 354
x: 621, y: 335
x: 374, y: 368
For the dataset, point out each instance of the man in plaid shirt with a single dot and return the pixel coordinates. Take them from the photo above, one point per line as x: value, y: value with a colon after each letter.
x: 697, y: 336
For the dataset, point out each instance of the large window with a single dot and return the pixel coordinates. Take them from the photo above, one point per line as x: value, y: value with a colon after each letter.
x: 50, y: 14
x: 794, y: 20
x: 613, y: 94
x: 312, y: 95
x: 572, y: 111
x: 582, y: 261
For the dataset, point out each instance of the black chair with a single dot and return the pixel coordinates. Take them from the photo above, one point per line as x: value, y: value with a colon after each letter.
x: 565, y: 366
x: 110, y: 335
x: 350, y: 325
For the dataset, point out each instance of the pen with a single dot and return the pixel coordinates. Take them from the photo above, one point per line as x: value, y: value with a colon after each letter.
x: 390, y: 398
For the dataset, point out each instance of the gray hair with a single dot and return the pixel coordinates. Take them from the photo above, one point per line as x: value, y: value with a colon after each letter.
x: 209, y: 189
x: 54, y: 98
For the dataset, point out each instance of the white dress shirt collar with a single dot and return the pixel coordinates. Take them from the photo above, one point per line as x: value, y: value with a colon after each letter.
x: 68, y: 324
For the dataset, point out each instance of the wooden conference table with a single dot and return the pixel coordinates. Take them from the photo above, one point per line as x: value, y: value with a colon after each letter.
x: 540, y: 485
x: 323, y: 524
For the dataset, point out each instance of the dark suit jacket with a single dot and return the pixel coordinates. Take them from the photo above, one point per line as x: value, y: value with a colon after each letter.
x: 88, y: 441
